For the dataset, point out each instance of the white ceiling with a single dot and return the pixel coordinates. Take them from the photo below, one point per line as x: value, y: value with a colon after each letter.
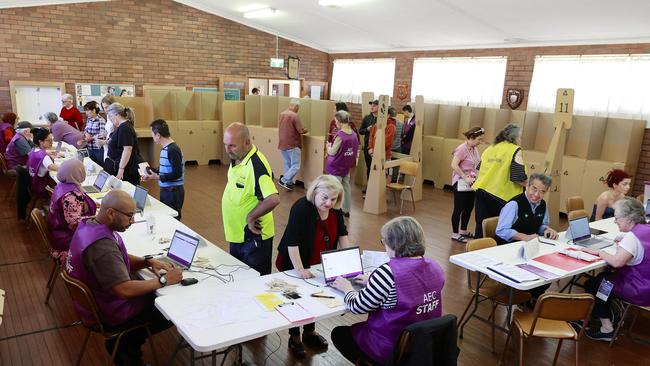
x: 391, y: 25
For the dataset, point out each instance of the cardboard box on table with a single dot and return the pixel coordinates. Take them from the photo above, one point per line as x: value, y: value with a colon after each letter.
x: 430, y: 121
x: 448, y: 121
x: 470, y: 117
x: 593, y: 179
x: 143, y: 112
x: 432, y: 149
x: 494, y: 121
x: 188, y: 106
x: 585, y: 137
x: 163, y: 103
x: 305, y: 113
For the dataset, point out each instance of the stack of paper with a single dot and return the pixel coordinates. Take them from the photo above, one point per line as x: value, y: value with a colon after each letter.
x: 513, y: 273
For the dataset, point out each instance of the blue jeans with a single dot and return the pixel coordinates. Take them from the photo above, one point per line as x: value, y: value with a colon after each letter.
x: 97, y: 155
x: 291, y: 160
x: 255, y: 253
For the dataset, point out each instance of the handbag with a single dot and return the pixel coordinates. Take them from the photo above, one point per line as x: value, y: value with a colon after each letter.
x: 463, y: 186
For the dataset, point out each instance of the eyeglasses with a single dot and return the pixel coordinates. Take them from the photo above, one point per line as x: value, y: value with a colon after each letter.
x: 129, y: 215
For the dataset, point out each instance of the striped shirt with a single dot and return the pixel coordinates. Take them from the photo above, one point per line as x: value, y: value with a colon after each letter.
x: 378, y: 293
x: 95, y: 128
x: 172, y: 167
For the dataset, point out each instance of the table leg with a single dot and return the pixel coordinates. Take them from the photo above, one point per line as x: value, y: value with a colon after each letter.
x: 509, y: 316
x: 178, y: 347
x: 470, y: 315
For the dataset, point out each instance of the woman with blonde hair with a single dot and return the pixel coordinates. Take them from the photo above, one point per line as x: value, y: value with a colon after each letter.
x: 315, y: 225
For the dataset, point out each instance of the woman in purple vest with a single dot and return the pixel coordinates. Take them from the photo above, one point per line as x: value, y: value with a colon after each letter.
x: 342, y: 154
x: 69, y: 204
x: 7, y: 131
x: 404, y: 291
x: 40, y: 163
x: 631, y: 264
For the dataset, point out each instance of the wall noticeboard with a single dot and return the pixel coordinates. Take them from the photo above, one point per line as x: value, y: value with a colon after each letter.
x: 293, y: 68
x: 87, y: 92
x: 231, y: 94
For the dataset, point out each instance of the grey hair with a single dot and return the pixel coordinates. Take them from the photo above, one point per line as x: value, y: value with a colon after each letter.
x: 51, y: 117
x: 631, y: 209
x: 511, y: 132
x: 404, y: 235
x: 123, y: 111
x: 342, y: 116
x: 545, y: 179
x: 66, y: 97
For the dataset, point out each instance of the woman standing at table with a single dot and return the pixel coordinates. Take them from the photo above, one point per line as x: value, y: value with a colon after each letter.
x: 315, y: 225
x: 70, y: 114
x: 463, y: 164
x: 631, y: 280
x: 404, y: 291
x: 69, y: 204
x: 123, y: 150
x: 94, y: 131
x: 618, y: 182
x: 40, y: 163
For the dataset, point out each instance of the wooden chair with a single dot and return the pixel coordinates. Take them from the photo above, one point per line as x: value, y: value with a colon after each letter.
x: 490, y: 227
x: 84, y: 298
x: 2, y: 304
x: 574, y: 203
x: 39, y: 218
x: 550, y: 319
x: 410, y: 169
x: 490, y: 290
x: 574, y: 214
x: 619, y: 327
x: 10, y: 174
x: 641, y: 198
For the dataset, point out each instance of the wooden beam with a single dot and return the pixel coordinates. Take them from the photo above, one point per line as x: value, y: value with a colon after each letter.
x: 375, y: 201
x: 416, y: 150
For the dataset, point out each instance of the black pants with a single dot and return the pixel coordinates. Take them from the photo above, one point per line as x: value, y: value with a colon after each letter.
x: 486, y: 206
x: 368, y: 159
x: 343, y: 341
x: 255, y: 252
x: 295, y: 331
x: 23, y: 181
x: 173, y: 197
x: 602, y: 309
x: 463, y: 206
x: 129, y: 352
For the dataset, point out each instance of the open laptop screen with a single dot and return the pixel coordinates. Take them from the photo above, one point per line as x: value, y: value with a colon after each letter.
x: 579, y: 229
x: 140, y: 197
x: 182, y: 248
x: 101, y: 179
x: 341, y: 263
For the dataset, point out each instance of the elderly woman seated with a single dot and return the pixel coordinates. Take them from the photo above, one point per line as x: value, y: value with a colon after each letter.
x: 631, y: 264
x: 406, y: 290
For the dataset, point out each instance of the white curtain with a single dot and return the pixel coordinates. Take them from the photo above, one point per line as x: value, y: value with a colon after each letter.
x: 352, y: 77
x: 605, y: 85
x: 460, y: 80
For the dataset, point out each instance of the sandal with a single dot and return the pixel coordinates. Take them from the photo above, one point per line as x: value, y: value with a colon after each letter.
x: 460, y: 239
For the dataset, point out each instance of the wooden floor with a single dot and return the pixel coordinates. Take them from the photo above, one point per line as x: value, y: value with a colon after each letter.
x: 33, y: 333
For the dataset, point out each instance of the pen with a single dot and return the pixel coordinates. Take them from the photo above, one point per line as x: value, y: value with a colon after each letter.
x: 323, y: 296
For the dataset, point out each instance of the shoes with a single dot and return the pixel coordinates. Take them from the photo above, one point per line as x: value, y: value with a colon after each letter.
x: 460, y: 238
x: 596, y: 334
x: 297, y: 348
x: 315, y: 340
x: 288, y: 187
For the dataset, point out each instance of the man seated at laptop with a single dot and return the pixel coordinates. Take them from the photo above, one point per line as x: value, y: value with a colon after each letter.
x: 404, y: 291
x: 525, y: 216
x: 98, y: 258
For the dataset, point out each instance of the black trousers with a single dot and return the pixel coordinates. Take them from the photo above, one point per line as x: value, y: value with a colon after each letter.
x: 486, y: 206
x: 463, y: 206
x: 129, y: 351
x: 368, y: 159
x: 173, y: 197
x: 23, y: 180
x: 602, y: 309
x: 295, y: 331
x: 343, y: 341
x: 255, y: 252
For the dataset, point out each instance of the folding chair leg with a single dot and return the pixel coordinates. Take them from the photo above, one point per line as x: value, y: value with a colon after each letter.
x: 401, y: 204
x: 521, y: 348
x: 505, y: 347
x: 620, y: 325
x: 577, y: 353
x: 179, y: 345
x: 83, y: 348
x: 115, y: 347
x: 557, y: 351
x: 412, y: 199
x: 52, y: 276
x: 460, y: 321
x: 493, y: 324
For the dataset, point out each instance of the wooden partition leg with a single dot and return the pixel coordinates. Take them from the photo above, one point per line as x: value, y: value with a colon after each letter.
x: 375, y: 201
x: 416, y: 151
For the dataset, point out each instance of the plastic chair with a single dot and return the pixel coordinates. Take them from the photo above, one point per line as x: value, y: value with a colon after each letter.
x: 407, y: 168
x: 490, y: 227
x: 40, y: 221
x: 574, y: 214
x: 619, y: 327
x: 550, y: 319
x: 490, y: 290
x: 83, y: 297
x: 574, y: 203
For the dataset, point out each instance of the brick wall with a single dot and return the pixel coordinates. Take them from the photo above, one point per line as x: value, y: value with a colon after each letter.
x: 137, y: 42
x: 519, y: 73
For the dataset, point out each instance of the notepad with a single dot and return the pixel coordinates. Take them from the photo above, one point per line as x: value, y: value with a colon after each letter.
x: 513, y: 273
x: 294, y: 312
x: 269, y: 300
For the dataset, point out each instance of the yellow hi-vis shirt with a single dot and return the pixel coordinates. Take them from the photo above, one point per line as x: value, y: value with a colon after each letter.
x: 494, y: 173
x: 249, y: 183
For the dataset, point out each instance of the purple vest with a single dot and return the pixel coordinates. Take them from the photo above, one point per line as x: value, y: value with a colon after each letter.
x: 3, y: 127
x: 62, y: 131
x: 60, y: 232
x: 112, y: 309
x: 11, y: 153
x: 340, y: 164
x: 418, y: 284
x: 632, y: 283
x: 408, y: 125
x: 33, y: 164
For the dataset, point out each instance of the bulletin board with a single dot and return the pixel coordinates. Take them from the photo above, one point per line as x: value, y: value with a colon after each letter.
x: 87, y: 92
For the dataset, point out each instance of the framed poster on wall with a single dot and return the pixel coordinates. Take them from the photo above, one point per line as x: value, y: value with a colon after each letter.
x: 293, y: 68
x: 87, y: 92
x: 231, y: 94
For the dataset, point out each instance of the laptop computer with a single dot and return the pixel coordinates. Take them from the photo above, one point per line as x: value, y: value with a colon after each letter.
x: 99, y: 183
x: 182, y: 250
x: 647, y: 208
x: 581, y: 235
x: 140, y: 198
x: 344, y: 262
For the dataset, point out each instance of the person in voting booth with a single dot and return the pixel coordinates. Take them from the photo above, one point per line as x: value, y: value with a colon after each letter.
x: 290, y: 129
x: 248, y: 201
x: 463, y: 164
x: 408, y: 130
x: 7, y: 131
x: 316, y: 224
x: 40, y: 162
x: 368, y: 121
x: 123, y: 150
x: 630, y: 279
x: 618, y: 182
x: 69, y: 204
x: 502, y: 175
x: 94, y: 131
x: 389, y: 135
x: 340, y: 106
x: 525, y: 216
x: 21, y: 144
x: 405, y: 290
x: 61, y: 131
x: 99, y: 259
x: 70, y: 114
x: 342, y: 155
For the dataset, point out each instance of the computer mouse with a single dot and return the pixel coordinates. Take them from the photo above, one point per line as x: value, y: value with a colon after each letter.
x: 188, y: 281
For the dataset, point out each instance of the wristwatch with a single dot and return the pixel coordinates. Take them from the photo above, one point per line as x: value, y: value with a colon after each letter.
x: 162, y: 280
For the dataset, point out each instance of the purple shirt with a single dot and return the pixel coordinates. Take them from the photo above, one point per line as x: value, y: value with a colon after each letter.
x: 60, y: 232
x: 340, y: 164
x: 62, y: 131
x: 468, y: 159
x: 632, y: 283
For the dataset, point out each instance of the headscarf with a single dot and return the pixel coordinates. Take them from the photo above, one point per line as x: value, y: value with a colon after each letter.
x: 71, y: 171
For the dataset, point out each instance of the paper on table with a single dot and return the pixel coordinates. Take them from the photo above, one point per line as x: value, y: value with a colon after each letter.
x: 374, y: 258
x: 214, y: 311
x: 294, y: 312
x: 478, y: 260
x: 269, y: 300
x: 513, y: 273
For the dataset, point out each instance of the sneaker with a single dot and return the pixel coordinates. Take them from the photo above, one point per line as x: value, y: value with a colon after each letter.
x: 297, y: 348
x: 288, y: 187
x: 596, y: 334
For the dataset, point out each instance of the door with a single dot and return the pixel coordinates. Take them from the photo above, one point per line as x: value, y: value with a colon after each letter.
x: 34, y: 101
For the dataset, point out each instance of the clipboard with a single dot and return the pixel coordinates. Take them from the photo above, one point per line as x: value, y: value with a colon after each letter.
x: 293, y: 312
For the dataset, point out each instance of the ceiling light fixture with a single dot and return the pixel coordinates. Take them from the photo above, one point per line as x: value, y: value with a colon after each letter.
x: 333, y: 3
x: 259, y: 13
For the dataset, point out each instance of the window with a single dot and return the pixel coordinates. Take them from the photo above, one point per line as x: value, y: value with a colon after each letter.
x: 476, y: 81
x: 605, y: 85
x: 352, y: 77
